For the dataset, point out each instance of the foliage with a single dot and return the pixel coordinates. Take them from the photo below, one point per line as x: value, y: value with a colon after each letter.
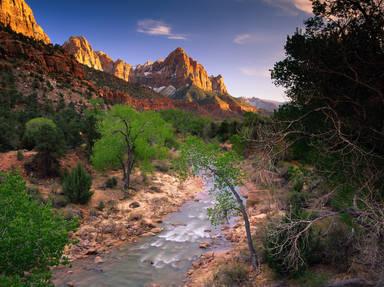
x: 111, y: 182
x: 77, y: 185
x: 223, y: 167
x: 20, y: 155
x: 33, y: 236
x: 231, y: 275
x: 287, y: 253
x: 332, y: 73
x: 34, y: 130
x: 186, y: 122
x: 312, y: 279
x: 130, y: 138
x: 47, y: 139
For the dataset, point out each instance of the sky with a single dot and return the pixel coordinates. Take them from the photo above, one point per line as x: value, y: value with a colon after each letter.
x: 239, y: 39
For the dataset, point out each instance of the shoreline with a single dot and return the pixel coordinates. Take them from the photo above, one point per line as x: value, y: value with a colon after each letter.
x: 124, y: 221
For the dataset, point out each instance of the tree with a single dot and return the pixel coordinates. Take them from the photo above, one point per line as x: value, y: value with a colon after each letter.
x: 129, y: 138
x: 77, y: 185
x: 32, y: 235
x: 333, y: 74
x: 223, y: 167
x: 47, y: 139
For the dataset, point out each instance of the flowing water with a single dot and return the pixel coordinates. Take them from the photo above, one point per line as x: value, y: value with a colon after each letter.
x: 163, y: 259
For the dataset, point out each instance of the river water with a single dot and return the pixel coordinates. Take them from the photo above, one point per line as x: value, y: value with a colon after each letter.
x: 163, y: 259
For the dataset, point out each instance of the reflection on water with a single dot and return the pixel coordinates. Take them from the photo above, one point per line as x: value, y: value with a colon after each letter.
x: 163, y: 259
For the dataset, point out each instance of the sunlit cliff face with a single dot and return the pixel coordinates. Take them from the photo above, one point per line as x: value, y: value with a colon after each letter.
x: 17, y: 15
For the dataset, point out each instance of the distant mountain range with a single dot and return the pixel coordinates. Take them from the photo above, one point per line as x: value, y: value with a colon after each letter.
x: 267, y: 105
x: 179, y: 79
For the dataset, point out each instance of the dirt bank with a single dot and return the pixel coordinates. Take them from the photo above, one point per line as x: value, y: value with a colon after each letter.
x: 112, y: 218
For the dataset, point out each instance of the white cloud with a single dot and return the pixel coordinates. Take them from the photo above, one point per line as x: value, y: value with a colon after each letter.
x: 303, y: 5
x: 245, y: 38
x: 158, y: 28
x: 242, y: 39
x: 292, y: 6
x: 255, y: 72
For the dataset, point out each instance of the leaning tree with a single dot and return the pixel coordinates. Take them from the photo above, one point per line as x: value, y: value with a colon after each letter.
x: 198, y: 157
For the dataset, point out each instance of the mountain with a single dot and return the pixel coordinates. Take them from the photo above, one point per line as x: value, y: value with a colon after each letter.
x: 267, y: 105
x: 83, y: 52
x: 178, y: 77
x: 17, y: 15
x: 76, y: 73
x: 178, y: 70
x: 51, y: 76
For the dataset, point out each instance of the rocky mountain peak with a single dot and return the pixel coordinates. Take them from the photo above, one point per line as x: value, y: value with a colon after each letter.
x: 17, y: 15
x: 218, y: 84
x: 81, y: 49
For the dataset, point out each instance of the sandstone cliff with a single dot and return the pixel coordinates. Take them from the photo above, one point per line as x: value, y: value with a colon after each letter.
x: 83, y: 52
x: 17, y: 15
x: 178, y: 70
x: 80, y: 48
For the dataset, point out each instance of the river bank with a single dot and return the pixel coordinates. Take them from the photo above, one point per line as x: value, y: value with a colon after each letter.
x: 123, y: 219
x: 161, y: 259
x: 264, y: 196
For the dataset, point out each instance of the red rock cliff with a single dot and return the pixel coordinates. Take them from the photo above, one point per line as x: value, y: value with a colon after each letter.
x: 17, y: 15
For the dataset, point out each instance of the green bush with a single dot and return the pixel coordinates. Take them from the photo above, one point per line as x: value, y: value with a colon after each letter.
x: 312, y: 279
x: 43, y: 135
x: 77, y: 185
x: 101, y: 206
x: 20, y: 155
x: 111, y: 182
x: 231, y: 275
x: 32, y: 235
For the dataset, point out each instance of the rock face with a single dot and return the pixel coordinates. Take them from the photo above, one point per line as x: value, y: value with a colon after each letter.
x: 39, y: 58
x: 218, y: 84
x: 83, y: 52
x: 17, y: 15
x: 178, y: 70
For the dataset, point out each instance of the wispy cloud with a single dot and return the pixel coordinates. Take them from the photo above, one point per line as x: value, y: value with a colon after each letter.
x: 291, y: 6
x: 255, y: 72
x: 246, y: 38
x: 242, y: 39
x: 158, y: 28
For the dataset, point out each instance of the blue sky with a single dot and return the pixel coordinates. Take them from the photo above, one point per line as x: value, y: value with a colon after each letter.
x: 240, y: 39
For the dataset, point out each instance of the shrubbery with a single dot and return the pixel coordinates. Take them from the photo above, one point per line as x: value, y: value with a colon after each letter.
x: 47, y: 139
x: 32, y: 235
x: 231, y: 275
x: 77, y: 185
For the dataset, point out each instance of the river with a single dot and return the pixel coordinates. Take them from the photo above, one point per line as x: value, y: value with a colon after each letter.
x: 163, y: 259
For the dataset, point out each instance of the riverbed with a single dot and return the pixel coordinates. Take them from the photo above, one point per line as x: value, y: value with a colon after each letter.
x: 160, y: 260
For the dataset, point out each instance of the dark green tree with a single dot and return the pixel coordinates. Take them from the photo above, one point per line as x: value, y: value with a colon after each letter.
x: 333, y: 74
x: 43, y: 135
x: 77, y: 185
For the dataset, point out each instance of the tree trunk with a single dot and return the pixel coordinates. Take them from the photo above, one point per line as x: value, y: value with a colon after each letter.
x: 252, y: 252
x: 128, y: 170
x: 127, y: 177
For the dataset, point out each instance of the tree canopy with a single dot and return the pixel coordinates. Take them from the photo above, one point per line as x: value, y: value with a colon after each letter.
x: 32, y: 235
x: 130, y: 138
